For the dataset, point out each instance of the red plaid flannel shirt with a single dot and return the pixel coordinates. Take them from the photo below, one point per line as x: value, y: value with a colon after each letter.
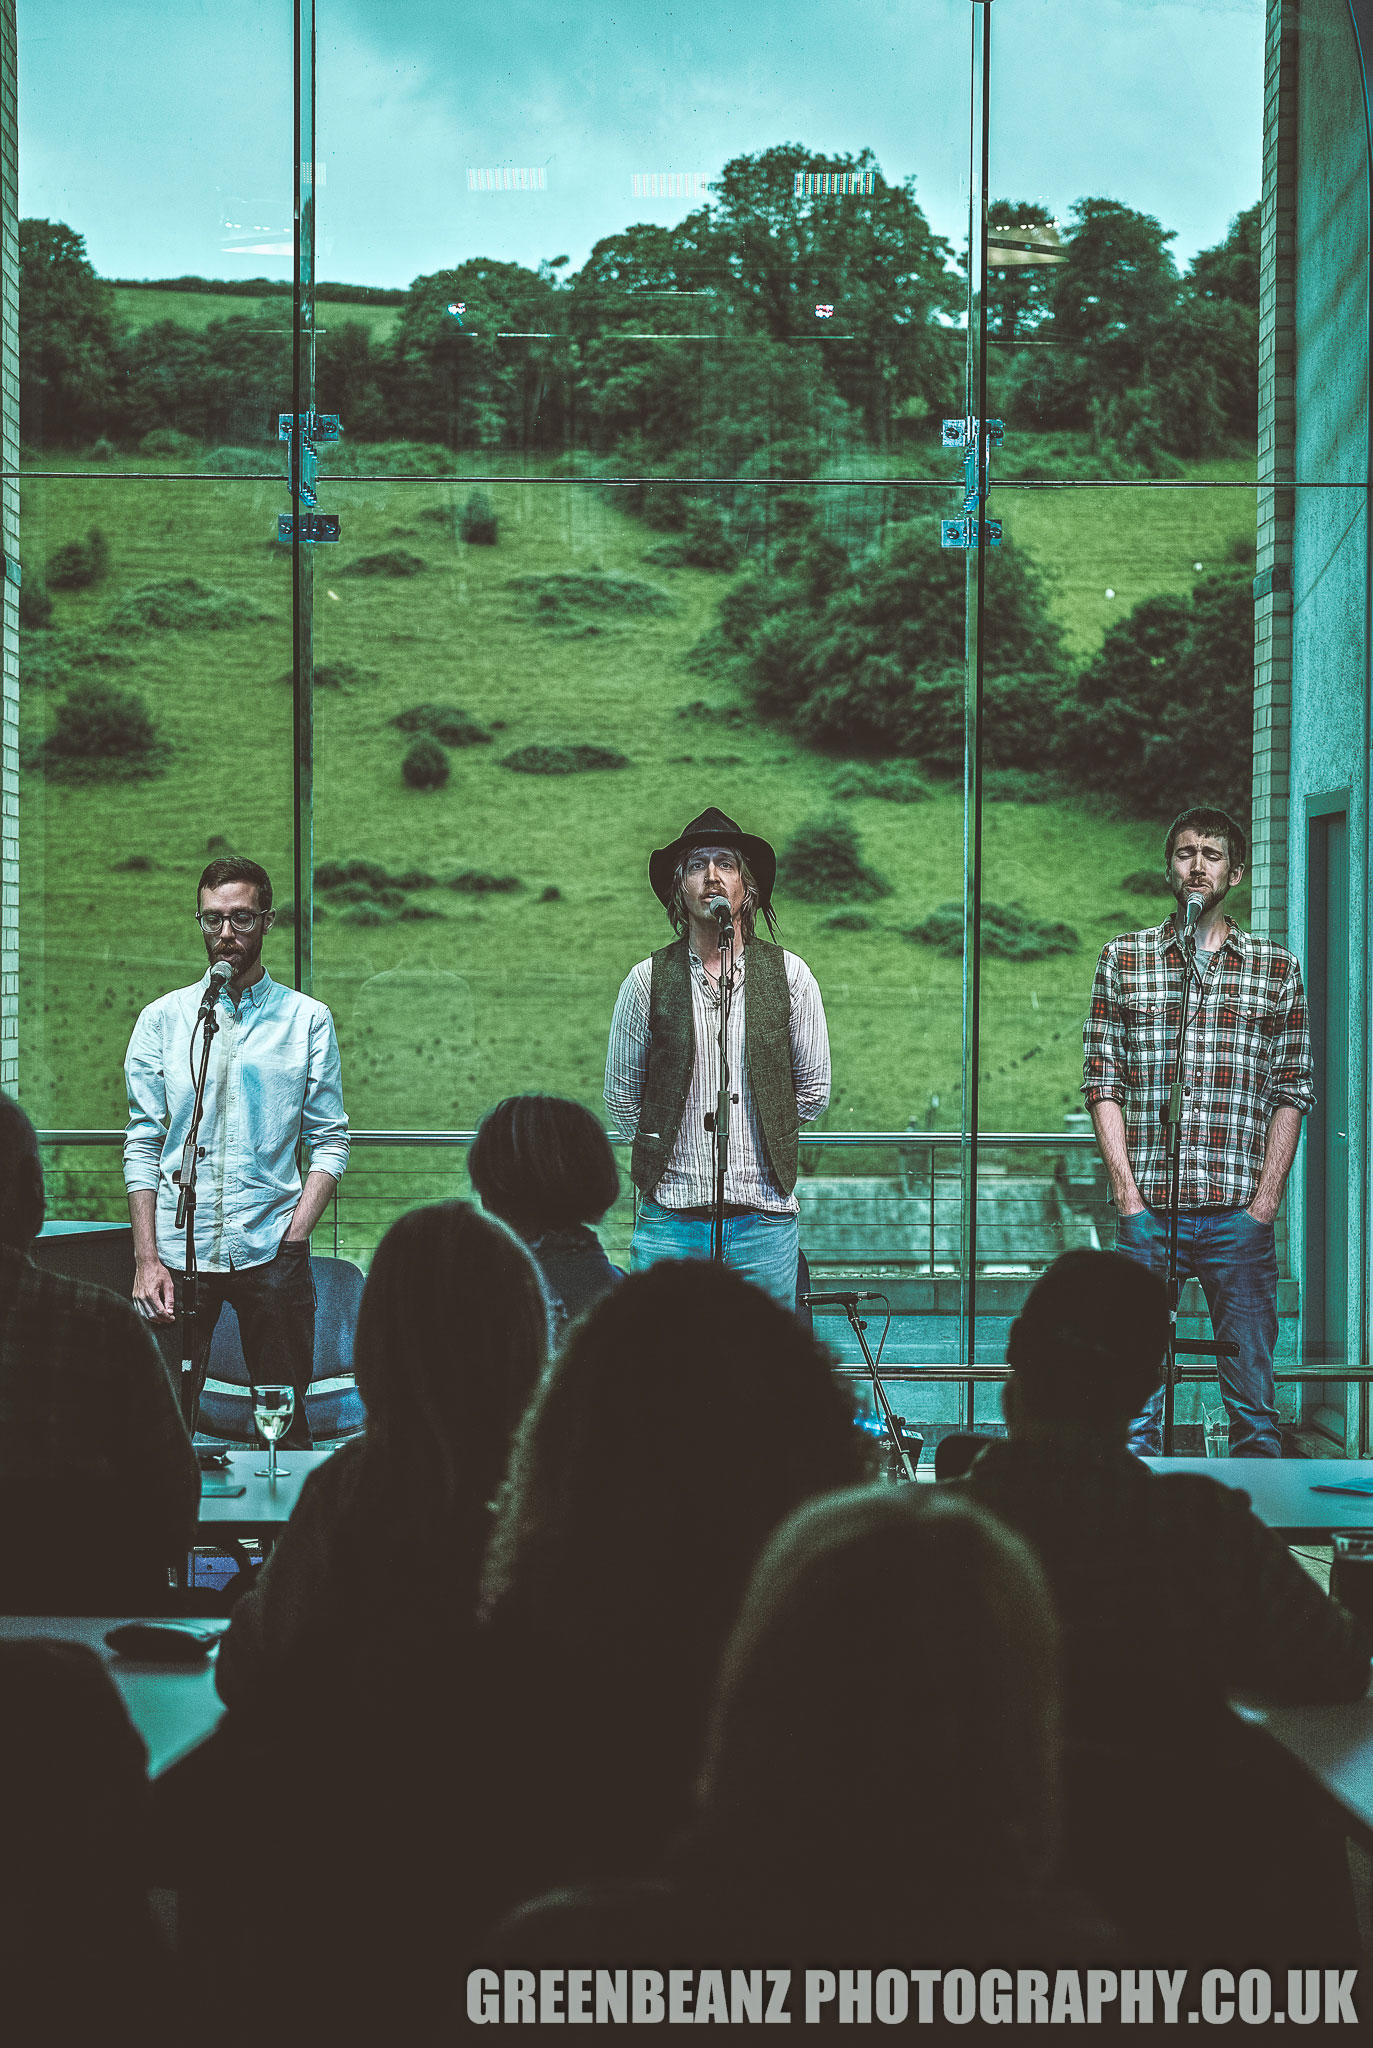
x: 1248, y: 1050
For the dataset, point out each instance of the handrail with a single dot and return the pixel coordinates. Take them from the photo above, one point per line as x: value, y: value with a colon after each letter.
x: 936, y: 1140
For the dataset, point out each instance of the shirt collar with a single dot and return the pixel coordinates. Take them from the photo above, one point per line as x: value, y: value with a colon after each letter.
x: 1167, y: 941
x: 256, y: 994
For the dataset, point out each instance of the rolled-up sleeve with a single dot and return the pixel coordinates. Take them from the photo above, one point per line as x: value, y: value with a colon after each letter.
x: 810, y: 1042
x: 626, y: 1060
x: 145, y: 1084
x: 1292, y: 1071
x: 323, y: 1119
x: 1103, y: 1077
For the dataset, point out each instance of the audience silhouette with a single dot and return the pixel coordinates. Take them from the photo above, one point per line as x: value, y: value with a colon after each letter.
x: 1173, y: 1597
x: 99, y: 1485
x: 545, y: 1166
x: 687, y: 1414
x: 884, y: 1627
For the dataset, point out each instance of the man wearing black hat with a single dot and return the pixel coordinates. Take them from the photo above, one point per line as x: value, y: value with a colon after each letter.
x: 662, y: 1067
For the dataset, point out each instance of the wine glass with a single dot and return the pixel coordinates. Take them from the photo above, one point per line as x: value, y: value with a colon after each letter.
x: 273, y: 1408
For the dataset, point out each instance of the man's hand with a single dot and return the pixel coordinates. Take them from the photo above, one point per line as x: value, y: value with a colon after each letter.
x: 1262, y: 1210
x: 153, y: 1294
x: 1130, y: 1205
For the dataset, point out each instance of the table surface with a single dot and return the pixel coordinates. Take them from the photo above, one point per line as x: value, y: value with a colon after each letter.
x: 173, y: 1706
x: 263, y: 1505
x: 1281, y: 1491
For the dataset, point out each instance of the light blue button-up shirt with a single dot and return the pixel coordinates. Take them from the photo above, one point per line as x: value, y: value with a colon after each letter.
x: 273, y: 1080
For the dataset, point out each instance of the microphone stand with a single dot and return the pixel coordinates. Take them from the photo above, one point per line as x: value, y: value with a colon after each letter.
x: 849, y: 1304
x: 184, y: 1180
x: 1171, y: 1118
x: 718, y: 1120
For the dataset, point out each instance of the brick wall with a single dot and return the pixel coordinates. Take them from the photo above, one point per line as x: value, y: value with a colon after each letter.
x: 1276, y: 455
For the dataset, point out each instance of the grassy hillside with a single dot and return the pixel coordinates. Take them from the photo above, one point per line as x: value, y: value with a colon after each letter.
x: 138, y: 309
x: 440, y: 1015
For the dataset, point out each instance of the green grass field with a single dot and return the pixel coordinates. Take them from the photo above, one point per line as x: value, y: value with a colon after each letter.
x: 138, y: 309
x: 494, y: 994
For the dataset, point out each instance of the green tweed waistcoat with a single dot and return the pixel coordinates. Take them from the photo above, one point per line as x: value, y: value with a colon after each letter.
x: 672, y: 1056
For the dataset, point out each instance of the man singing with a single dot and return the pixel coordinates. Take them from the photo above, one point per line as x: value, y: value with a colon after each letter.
x: 662, y: 1072
x: 273, y: 1080
x: 1247, y: 1083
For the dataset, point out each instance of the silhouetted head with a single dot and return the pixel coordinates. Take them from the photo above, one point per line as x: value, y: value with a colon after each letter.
x: 899, y: 1616
x: 686, y: 1415
x: 542, y: 1162
x: 451, y: 1339
x: 1088, y: 1345
x: 21, y: 1176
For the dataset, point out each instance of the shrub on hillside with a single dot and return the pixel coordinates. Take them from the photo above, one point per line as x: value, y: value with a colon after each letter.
x: 705, y: 544
x: 822, y: 863
x: 448, y: 723
x: 586, y: 601
x: 478, y: 525
x: 425, y: 766
x: 337, y: 675
x: 849, y: 921
x: 538, y: 759
x: 165, y: 442
x: 1144, y: 882
x: 896, y: 782
x: 331, y: 874
x: 386, y: 562
x: 49, y: 659
x: 78, y: 564
x: 390, y: 458
x: 240, y: 461
x: 365, y: 892
x: 713, y: 714
x: 103, y: 450
x: 101, y: 733
x: 1167, y: 702
x: 1009, y: 932
x: 35, y: 606
x: 1019, y: 786
x: 473, y: 882
x: 184, y: 602
x: 868, y: 655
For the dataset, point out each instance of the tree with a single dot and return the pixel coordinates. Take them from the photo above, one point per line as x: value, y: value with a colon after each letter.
x: 67, y: 341
x: 1167, y: 704
x: 454, y: 379
x: 1017, y: 294
x: 871, y: 254
x: 1230, y: 271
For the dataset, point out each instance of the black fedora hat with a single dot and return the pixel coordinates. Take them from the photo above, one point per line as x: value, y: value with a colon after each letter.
x: 713, y: 828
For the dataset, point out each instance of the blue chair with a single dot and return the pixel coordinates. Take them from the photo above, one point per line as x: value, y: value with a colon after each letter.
x: 333, y: 1406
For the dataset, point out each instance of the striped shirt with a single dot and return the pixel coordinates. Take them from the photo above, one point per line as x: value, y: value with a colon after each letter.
x: 1247, y: 1051
x: 689, y: 1182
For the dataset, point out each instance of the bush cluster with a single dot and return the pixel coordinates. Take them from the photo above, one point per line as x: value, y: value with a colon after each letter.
x: 896, y: 782
x: 447, y: 723
x: 704, y: 543
x: 478, y: 525
x: 101, y: 733
x: 586, y: 601
x: 538, y: 759
x: 78, y: 564
x: 1009, y: 932
x: 822, y: 863
x: 426, y: 765
x: 386, y: 562
x: 183, y: 602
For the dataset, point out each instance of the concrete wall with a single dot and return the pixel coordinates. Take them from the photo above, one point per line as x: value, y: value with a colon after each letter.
x: 1329, y: 737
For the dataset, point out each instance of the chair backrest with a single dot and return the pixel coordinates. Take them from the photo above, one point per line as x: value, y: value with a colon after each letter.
x: 333, y: 1405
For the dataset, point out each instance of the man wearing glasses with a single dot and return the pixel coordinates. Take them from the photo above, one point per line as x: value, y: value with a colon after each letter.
x: 273, y: 1080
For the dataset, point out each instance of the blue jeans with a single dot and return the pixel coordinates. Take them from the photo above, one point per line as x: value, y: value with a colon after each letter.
x: 1232, y: 1254
x: 762, y: 1248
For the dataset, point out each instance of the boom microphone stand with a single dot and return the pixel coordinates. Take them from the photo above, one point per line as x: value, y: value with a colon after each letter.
x: 1171, y: 1118
x: 717, y: 1121
x: 849, y: 1304
x: 184, y: 1180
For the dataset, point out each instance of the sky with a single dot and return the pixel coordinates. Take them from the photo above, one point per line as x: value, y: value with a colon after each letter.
x: 161, y: 129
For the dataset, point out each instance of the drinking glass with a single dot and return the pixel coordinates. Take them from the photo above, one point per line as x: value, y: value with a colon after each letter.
x: 1216, y: 1424
x: 273, y: 1408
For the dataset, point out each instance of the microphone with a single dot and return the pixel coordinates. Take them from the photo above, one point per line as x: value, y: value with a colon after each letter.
x: 837, y: 1300
x: 219, y: 977
x: 1196, y: 903
x: 719, y: 908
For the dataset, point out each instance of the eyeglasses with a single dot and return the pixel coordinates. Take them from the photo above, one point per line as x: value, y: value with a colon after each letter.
x: 212, y: 922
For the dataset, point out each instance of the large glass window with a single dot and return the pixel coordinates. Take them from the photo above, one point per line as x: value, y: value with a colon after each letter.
x: 643, y: 333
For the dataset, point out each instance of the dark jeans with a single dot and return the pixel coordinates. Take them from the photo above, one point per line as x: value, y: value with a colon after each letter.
x: 275, y: 1306
x: 1233, y: 1256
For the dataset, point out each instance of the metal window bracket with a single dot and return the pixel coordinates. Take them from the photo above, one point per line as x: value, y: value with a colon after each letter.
x: 971, y: 530
x: 302, y: 471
